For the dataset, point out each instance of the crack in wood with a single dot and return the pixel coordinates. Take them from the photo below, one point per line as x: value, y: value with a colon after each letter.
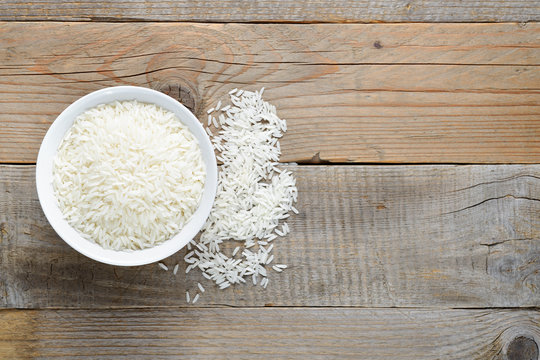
x: 491, y: 199
x: 498, y: 181
x: 499, y: 242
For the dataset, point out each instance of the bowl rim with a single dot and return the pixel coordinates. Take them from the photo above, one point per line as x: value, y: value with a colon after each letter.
x: 49, y: 147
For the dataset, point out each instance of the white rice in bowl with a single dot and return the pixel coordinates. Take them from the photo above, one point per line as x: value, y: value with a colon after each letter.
x: 128, y: 175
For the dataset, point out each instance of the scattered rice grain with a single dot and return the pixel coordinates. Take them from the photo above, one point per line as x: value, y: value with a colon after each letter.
x: 253, y: 193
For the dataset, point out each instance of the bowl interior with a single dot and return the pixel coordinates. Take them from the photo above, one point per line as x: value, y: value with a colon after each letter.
x: 44, y: 168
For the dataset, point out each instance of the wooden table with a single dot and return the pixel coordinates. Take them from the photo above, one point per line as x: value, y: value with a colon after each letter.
x: 416, y: 127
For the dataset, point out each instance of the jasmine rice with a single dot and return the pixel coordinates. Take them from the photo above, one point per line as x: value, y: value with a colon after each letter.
x: 128, y: 175
x: 253, y: 195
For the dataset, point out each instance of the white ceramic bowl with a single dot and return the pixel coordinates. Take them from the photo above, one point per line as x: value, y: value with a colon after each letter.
x: 52, y: 141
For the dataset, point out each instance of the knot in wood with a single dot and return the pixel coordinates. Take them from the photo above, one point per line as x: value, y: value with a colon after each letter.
x: 180, y: 90
x: 522, y: 348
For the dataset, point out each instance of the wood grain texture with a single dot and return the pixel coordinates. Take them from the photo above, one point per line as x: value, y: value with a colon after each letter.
x: 411, y: 93
x: 292, y: 333
x: 274, y: 10
x: 378, y: 236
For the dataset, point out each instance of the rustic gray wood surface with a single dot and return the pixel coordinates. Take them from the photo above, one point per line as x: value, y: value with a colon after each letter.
x: 385, y: 262
x: 399, y: 93
x: 268, y: 333
x: 274, y: 10
x: 378, y: 236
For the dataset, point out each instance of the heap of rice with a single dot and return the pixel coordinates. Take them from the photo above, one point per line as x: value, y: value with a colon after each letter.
x: 128, y: 175
x: 253, y: 194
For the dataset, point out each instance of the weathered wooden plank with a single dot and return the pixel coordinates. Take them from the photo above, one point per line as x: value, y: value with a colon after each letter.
x: 292, y: 333
x: 414, y: 93
x: 379, y: 236
x: 274, y: 10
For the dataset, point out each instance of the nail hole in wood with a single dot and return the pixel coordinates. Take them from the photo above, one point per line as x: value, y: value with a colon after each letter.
x: 522, y: 348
